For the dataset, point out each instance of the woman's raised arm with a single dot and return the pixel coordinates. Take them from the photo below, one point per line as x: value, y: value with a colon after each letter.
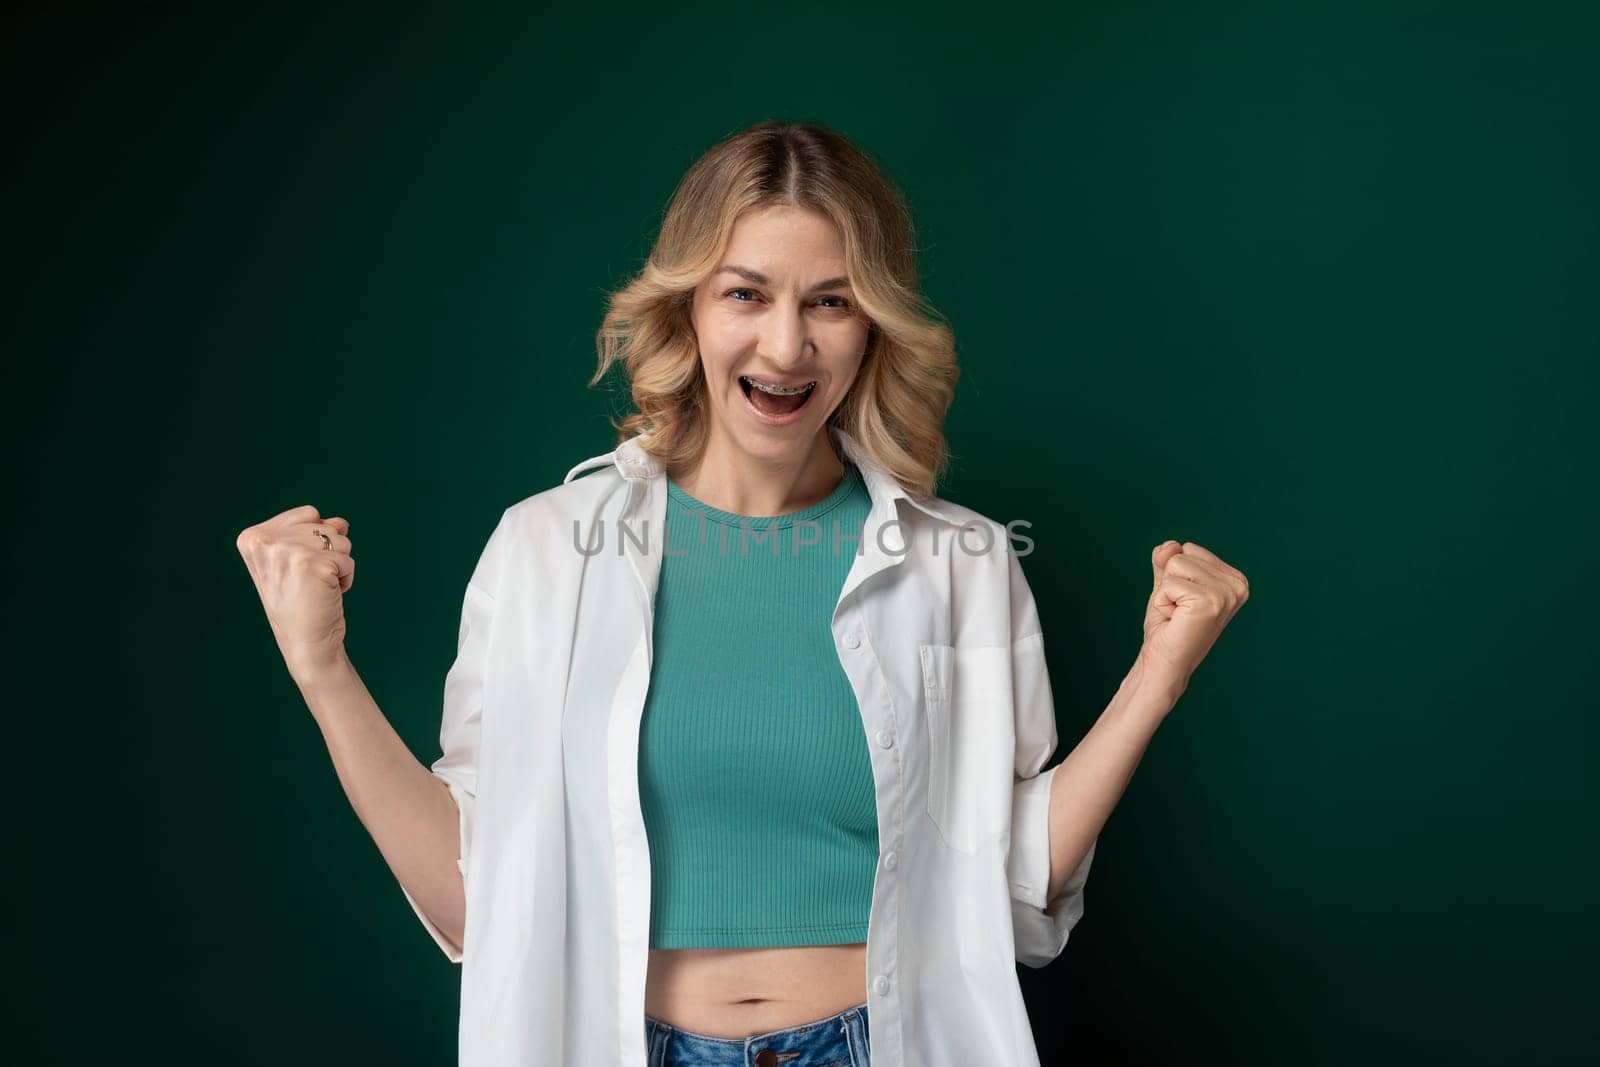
x: 302, y: 567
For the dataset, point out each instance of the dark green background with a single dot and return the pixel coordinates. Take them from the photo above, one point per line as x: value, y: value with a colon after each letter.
x: 1312, y: 285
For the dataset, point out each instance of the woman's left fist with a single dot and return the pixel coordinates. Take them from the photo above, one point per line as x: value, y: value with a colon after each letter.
x: 1195, y: 596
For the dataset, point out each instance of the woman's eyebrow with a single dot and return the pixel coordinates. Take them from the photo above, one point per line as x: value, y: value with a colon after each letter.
x: 761, y: 279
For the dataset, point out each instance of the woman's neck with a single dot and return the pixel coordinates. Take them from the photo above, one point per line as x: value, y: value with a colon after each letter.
x: 734, y: 480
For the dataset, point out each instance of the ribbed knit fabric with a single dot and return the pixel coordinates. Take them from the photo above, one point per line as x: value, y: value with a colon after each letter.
x: 754, y: 773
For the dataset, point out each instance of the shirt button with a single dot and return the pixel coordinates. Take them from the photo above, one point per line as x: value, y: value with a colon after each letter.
x: 880, y: 985
x: 851, y: 640
x: 891, y: 861
x: 885, y: 739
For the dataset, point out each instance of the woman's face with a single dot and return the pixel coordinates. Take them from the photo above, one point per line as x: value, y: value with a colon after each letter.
x: 778, y: 309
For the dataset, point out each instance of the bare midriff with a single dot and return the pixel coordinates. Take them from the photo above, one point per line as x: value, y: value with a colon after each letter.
x: 740, y: 992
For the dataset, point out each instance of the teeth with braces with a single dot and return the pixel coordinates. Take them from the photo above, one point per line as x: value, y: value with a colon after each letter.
x: 778, y: 390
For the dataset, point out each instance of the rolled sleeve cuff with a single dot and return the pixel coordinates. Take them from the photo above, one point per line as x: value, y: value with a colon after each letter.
x: 1041, y: 927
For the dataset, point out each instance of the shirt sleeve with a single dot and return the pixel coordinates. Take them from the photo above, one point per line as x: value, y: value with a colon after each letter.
x: 1040, y: 926
x: 460, y: 725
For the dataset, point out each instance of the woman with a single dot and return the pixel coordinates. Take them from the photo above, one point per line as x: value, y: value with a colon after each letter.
x: 706, y: 803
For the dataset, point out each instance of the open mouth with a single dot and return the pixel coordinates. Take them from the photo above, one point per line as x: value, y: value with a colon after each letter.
x: 776, y: 401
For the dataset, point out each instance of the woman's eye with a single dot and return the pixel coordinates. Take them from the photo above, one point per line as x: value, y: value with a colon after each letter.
x: 842, y: 305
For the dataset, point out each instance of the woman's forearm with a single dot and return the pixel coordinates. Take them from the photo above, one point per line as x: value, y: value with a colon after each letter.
x: 406, y: 808
x: 1091, y: 780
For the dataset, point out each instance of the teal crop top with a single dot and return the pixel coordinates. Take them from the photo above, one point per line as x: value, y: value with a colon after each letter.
x: 754, y: 775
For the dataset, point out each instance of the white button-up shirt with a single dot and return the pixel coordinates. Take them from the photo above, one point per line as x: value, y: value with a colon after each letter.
x: 936, y: 630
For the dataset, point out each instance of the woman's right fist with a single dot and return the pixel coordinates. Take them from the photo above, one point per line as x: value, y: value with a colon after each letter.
x: 302, y: 567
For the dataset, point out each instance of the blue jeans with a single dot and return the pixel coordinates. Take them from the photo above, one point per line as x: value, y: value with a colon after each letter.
x: 837, y: 1041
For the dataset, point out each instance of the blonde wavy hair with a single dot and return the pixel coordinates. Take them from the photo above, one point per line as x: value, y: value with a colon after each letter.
x: 896, y: 406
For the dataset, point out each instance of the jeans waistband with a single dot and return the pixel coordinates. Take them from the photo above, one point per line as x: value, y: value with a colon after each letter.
x: 838, y: 1039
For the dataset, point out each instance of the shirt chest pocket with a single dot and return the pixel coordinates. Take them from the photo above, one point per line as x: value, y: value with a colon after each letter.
x: 971, y: 742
